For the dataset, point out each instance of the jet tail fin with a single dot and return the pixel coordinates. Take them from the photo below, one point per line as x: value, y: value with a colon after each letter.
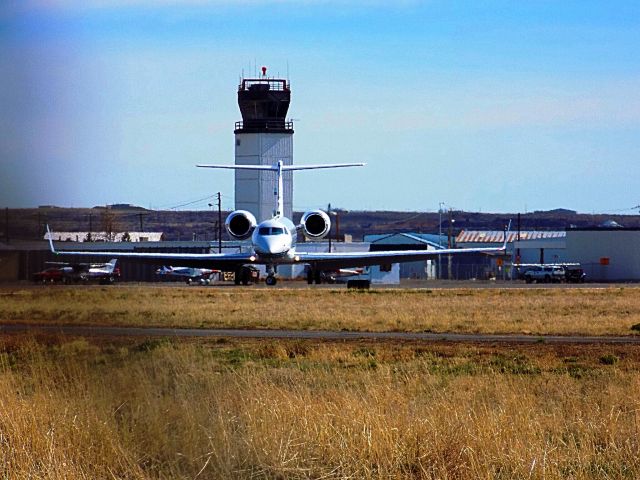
x: 507, y: 231
x: 50, y: 238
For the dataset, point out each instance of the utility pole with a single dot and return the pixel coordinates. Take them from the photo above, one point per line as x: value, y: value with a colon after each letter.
x: 219, y: 223
x: 449, y: 243
x: 329, y: 213
x: 6, y: 224
x: 518, y: 238
x: 140, y: 217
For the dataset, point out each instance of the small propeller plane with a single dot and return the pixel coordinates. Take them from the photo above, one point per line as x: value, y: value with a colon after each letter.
x: 105, y: 273
x: 190, y: 275
x: 273, y: 241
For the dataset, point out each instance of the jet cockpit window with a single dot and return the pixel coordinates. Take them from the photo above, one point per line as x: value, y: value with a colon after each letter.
x: 270, y: 231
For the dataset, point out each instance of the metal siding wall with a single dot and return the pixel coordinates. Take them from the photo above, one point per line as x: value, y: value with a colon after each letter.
x: 9, y: 266
x: 622, y: 247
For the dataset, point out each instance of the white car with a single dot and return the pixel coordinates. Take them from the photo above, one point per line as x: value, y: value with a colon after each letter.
x: 544, y: 273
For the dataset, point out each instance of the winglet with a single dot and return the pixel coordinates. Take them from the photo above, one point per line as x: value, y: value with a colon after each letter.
x: 507, y: 230
x: 50, y: 237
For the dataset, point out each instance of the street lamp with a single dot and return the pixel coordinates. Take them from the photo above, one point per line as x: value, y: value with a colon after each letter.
x: 219, y: 222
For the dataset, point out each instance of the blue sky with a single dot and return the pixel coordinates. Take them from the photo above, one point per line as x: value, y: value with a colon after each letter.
x: 490, y: 106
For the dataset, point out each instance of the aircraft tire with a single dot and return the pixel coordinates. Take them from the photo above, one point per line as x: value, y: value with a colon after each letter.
x: 310, y: 276
x: 271, y: 280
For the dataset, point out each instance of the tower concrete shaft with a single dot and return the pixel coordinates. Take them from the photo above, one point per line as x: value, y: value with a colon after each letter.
x: 263, y: 137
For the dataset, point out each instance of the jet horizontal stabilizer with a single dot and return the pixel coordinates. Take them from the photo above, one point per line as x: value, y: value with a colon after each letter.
x: 284, y: 168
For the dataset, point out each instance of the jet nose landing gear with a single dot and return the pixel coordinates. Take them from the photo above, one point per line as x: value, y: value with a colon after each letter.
x: 271, y: 279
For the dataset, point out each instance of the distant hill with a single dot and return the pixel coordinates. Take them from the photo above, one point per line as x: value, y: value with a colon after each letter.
x: 29, y: 224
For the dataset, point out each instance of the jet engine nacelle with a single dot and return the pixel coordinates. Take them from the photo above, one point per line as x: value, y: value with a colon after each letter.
x: 315, y: 224
x: 240, y: 224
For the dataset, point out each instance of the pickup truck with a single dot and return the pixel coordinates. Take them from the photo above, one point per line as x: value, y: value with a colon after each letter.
x: 544, y: 273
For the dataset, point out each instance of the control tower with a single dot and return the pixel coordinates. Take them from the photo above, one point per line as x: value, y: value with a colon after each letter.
x: 263, y: 137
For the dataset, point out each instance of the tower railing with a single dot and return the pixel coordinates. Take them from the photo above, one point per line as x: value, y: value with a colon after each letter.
x: 264, y: 125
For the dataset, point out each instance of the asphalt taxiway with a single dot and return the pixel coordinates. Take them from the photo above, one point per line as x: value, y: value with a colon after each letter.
x: 100, y: 331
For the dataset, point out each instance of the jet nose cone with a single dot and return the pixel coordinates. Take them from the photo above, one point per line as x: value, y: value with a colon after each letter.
x: 277, y: 245
x: 273, y: 245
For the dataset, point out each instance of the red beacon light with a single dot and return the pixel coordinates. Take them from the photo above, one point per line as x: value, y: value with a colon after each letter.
x: 264, y: 71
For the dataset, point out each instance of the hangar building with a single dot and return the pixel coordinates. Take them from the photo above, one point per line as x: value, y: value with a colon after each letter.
x: 424, y: 269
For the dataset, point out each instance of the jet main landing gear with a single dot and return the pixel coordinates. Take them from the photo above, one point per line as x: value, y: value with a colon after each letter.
x: 314, y: 276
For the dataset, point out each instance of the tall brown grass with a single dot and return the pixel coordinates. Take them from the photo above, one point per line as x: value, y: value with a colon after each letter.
x: 611, y: 311
x: 158, y: 409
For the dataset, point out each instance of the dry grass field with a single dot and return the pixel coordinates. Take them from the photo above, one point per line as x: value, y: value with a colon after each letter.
x: 208, y: 409
x: 70, y: 408
x: 610, y: 311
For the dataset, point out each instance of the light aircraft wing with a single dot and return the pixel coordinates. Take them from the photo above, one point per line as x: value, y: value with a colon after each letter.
x: 83, y: 264
x: 337, y: 260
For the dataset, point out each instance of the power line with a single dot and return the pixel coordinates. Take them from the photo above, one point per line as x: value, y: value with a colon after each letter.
x: 185, y: 204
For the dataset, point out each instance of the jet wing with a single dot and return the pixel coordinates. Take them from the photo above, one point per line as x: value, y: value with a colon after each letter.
x: 362, y: 259
x: 222, y: 261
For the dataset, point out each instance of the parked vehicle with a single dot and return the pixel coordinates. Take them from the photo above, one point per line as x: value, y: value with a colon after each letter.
x: 545, y: 273
x: 574, y: 275
x: 245, y: 275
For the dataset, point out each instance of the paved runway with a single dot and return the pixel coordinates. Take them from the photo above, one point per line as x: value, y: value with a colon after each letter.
x: 86, y: 331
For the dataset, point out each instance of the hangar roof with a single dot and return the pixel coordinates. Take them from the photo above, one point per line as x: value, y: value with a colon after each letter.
x: 497, y: 236
x: 103, y: 236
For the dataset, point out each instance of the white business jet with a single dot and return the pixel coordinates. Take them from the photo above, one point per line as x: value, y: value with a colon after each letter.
x: 273, y: 241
